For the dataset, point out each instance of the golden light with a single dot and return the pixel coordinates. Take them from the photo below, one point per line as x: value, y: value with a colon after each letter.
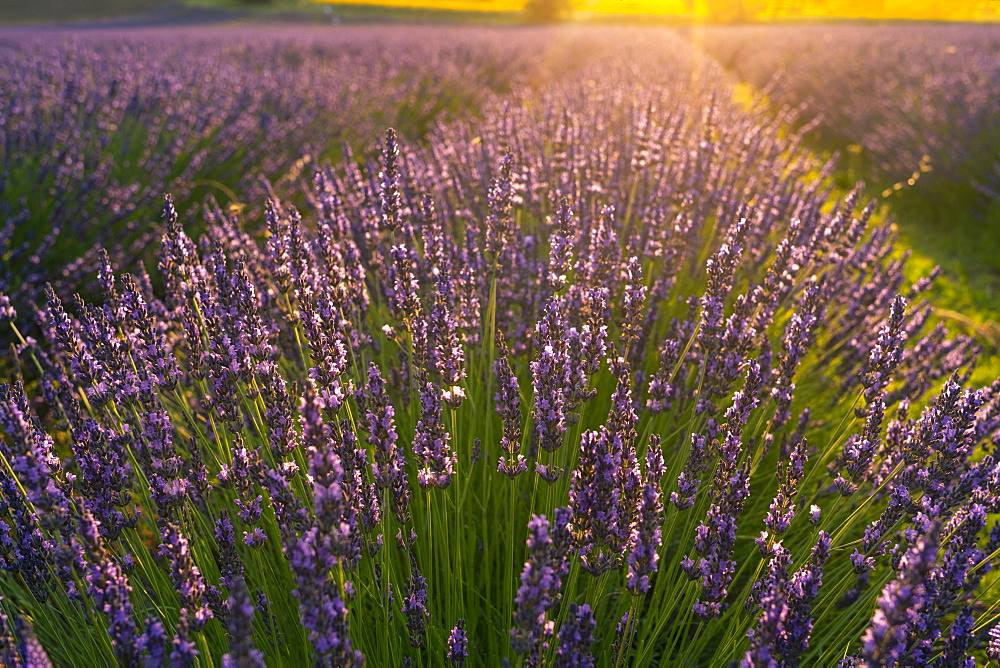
x: 729, y: 10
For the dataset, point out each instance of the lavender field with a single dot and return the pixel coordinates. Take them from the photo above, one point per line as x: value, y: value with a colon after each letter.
x: 431, y: 346
x: 914, y: 113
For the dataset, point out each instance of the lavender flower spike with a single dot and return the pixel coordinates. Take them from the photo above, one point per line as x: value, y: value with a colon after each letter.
x: 458, y: 645
x: 389, y: 196
x: 884, y: 643
x: 549, y: 378
x: 575, y: 638
x: 431, y: 442
x: 414, y: 605
x: 185, y: 575
x: 242, y: 653
x: 508, y: 405
x: 389, y: 467
x: 541, y: 581
x: 887, y: 353
x: 647, y: 533
x: 31, y: 651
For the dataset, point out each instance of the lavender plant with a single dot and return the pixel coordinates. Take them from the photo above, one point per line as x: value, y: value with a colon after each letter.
x: 103, y: 123
x: 609, y: 376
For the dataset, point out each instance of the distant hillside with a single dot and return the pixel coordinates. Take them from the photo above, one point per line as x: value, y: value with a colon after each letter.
x: 59, y: 11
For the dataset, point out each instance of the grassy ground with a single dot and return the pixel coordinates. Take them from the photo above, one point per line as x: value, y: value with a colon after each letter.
x: 944, y: 228
x: 47, y: 11
x: 179, y: 12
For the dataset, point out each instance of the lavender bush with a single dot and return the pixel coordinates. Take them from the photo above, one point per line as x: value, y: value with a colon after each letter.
x: 912, y: 110
x: 915, y: 102
x: 609, y: 376
x: 96, y: 126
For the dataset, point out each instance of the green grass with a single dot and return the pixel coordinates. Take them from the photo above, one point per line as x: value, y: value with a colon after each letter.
x: 58, y: 11
x: 167, y: 12
x: 947, y: 227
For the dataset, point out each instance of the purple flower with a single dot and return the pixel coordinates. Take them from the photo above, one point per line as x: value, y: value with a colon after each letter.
x: 720, y: 269
x: 279, y: 412
x: 606, y: 485
x: 164, y: 467
x: 993, y: 649
x: 183, y: 653
x: 575, y: 637
x: 26, y: 552
x: 363, y: 494
x: 499, y: 221
x: 508, y: 405
x: 773, y: 606
x: 799, y: 335
x: 109, y: 587
x: 389, y: 197
x: 105, y: 476
x: 154, y: 643
x: 185, y: 575
x: 958, y: 642
x: 600, y: 513
x: 458, y: 645
x: 389, y: 467
x: 548, y: 374
x: 242, y: 653
x: 802, y: 592
x: 664, y: 383
x: 431, y: 442
x: 560, y: 248
x: 28, y: 647
x: 335, y: 517
x: 255, y: 538
x: 31, y: 455
x: 887, y: 352
x: 646, y: 536
x: 414, y: 604
x: 251, y: 511
x: 884, y: 642
x: 715, y: 536
x: 625, y: 632
x: 322, y: 610
x: 632, y: 305
x: 445, y: 354
x: 782, y: 510
x: 541, y: 581
x: 9, y: 654
x: 862, y: 563
x: 694, y: 467
x: 405, y: 291
x: 329, y: 542
x: 8, y: 313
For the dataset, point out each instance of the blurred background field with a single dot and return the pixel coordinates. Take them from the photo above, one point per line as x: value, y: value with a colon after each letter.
x: 908, y: 108
x: 499, y: 11
x: 912, y: 111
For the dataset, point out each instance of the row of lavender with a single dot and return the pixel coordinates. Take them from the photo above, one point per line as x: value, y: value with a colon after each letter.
x: 95, y: 127
x: 919, y: 101
x: 610, y: 375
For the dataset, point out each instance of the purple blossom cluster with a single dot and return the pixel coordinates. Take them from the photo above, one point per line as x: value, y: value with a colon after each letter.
x: 112, y: 121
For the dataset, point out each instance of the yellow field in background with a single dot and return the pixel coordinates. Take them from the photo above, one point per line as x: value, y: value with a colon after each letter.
x: 958, y: 10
